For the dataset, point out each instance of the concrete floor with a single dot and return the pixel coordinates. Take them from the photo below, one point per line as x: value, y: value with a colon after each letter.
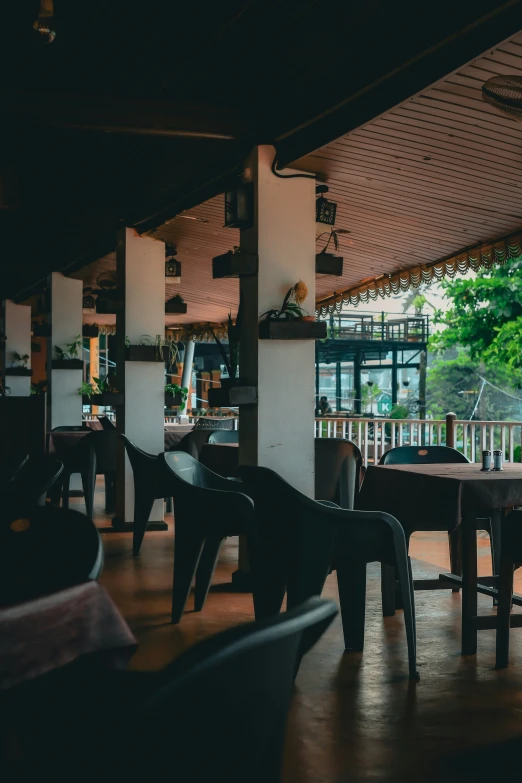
x: 355, y: 717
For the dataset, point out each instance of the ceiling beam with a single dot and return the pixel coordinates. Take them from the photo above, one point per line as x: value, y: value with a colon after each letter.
x: 109, y: 114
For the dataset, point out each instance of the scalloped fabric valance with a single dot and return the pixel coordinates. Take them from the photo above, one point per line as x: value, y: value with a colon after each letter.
x: 475, y: 258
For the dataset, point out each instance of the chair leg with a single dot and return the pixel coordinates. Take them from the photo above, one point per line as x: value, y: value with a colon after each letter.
x: 110, y: 493
x: 89, y: 483
x: 187, y: 551
x: 494, y: 533
x: 206, y: 566
x: 455, y: 551
x: 408, y: 600
x: 169, y: 506
x: 388, y: 583
x: 351, y: 580
x: 66, y: 483
x: 142, y: 507
x: 505, y: 597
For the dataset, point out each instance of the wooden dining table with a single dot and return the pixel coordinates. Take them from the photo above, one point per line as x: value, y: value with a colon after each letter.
x: 221, y: 458
x: 418, y: 495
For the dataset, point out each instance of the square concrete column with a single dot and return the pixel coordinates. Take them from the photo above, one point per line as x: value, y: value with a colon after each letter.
x: 140, y: 267
x: 278, y: 433
x: 65, y: 404
x: 17, y: 326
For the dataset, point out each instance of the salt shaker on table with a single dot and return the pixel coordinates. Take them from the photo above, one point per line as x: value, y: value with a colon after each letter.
x: 486, y: 460
x: 497, y: 460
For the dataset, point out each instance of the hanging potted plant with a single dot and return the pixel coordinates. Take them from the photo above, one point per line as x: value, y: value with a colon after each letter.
x: 328, y: 263
x: 234, y: 391
x: 291, y: 321
x: 19, y: 365
x: 90, y: 330
x: 235, y: 263
x: 68, y: 359
x: 175, y: 396
x: 147, y: 349
x: 41, y: 329
x: 100, y: 393
x: 176, y: 305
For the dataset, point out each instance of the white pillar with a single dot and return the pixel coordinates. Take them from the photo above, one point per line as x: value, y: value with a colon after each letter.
x: 278, y: 433
x: 66, y: 325
x: 140, y: 264
x: 17, y: 326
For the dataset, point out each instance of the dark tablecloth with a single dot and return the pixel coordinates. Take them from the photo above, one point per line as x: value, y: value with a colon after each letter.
x: 42, y: 635
x: 222, y: 458
x: 418, y: 495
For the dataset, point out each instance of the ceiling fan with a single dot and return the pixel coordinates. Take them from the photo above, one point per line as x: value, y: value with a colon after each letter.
x: 505, y: 93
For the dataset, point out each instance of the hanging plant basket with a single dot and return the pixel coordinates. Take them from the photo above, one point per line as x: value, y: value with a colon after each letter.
x: 67, y: 364
x: 108, y: 399
x: 109, y: 303
x: 90, y: 330
x: 23, y: 372
x: 328, y: 264
x: 173, y: 400
x: 41, y: 329
x: 175, y: 306
x: 292, y: 329
x: 239, y: 264
x: 232, y: 394
x: 146, y: 353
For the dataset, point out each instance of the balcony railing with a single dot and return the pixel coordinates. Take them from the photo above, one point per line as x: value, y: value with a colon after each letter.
x: 402, y: 329
x: 376, y: 436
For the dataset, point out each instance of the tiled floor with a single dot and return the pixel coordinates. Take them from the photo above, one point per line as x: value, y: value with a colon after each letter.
x: 355, y: 717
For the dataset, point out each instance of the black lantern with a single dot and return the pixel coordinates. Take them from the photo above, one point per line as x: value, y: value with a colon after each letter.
x: 89, y: 302
x: 324, y: 210
x: 239, y: 206
x: 172, y: 267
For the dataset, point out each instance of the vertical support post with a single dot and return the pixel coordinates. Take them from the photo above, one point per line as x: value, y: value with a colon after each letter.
x: 65, y: 404
x: 140, y: 269
x: 422, y: 384
x: 186, y: 377
x: 357, y: 381
x: 394, y: 381
x: 278, y: 432
x: 317, y: 379
x: 450, y: 429
x: 338, y: 390
x: 17, y: 330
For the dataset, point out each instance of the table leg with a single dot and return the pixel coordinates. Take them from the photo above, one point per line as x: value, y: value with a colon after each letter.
x: 469, y: 585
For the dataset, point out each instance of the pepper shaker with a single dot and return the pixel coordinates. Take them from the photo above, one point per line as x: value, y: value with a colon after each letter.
x: 497, y: 460
x: 486, y: 460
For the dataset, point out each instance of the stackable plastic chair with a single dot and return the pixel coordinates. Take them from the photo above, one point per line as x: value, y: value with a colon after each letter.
x: 105, y: 444
x: 224, y: 436
x: 151, y: 483
x: 175, y: 723
x: 80, y: 458
x: 43, y: 550
x: 207, y: 508
x: 299, y: 542
x: 338, y: 465
x: 432, y: 455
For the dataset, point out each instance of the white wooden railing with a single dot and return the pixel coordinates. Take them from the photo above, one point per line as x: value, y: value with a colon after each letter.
x: 375, y: 436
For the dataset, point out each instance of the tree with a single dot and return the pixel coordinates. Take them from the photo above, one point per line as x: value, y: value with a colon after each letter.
x: 454, y: 383
x: 485, y: 318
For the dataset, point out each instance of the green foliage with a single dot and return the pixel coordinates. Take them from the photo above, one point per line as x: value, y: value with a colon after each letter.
x: 19, y: 359
x: 485, y: 317
x: 72, y: 350
x: 454, y: 384
x: 399, y: 412
x: 38, y: 388
x: 173, y: 388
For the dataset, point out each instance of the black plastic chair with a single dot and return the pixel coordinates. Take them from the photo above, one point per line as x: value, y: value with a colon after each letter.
x: 106, y: 423
x: 226, y: 423
x: 207, y: 508
x: 192, y: 442
x: 176, y: 723
x: 79, y: 458
x: 224, y: 436
x: 300, y: 540
x: 510, y: 560
x: 11, y: 467
x: 338, y: 465
x: 71, y: 428
x: 150, y: 483
x: 105, y: 444
x: 44, y: 550
x: 433, y: 455
x: 31, y: 484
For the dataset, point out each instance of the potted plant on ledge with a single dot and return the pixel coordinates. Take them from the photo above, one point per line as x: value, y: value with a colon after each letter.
x: 19, y: 365
x: 291, y: 321
x: 234, y: 391
x: 100, y: 393
x: 68, y: 359
x: 175, y: 396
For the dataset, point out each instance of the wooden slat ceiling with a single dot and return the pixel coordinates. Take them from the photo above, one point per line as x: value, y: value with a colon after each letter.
x: 438, y: 173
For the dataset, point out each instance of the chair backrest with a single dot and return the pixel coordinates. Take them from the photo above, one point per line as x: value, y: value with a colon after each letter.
x: 418, y: 455
x: 338, y: 465
x: 224, y: 436
x: 106, y: 423
x: 31, y: 484
x: 249, y: 672
x: 192, y: 442
x: 105, y: 444
x: 185, y: 468
x: 46, y: 550
x: 11, y: 467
